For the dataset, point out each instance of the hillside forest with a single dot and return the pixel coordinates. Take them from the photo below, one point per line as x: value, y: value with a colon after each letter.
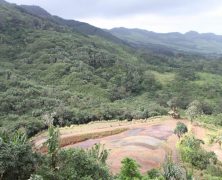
x: 74, y: 73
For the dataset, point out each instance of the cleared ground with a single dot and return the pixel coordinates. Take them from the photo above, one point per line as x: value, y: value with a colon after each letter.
x: 146, y: 141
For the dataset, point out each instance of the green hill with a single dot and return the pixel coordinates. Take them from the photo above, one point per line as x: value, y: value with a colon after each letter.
x: 81, y: 27
x: 72, y: 72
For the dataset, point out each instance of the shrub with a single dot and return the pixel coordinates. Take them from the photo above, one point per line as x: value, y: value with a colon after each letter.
x: 32, y: 128
x: 153, y: 173
x: 214, y: 170
x: 180, y: 129
x: 17, y: 161
x: 192, y: 152
x: 207, y: 108
x: 211, y: 119
x: 76, y: 164
x: 172, y: 170
x: 129, y: 170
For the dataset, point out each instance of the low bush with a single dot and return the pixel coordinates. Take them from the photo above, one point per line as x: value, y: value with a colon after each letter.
x: 192, y: 152
x: 215, y: 119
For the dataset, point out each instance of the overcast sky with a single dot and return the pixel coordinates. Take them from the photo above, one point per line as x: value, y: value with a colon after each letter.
x: 154, y: 15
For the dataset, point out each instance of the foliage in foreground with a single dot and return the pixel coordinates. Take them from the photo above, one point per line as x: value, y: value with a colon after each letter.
x: 75, y: 164
x: 193, y: 153
x: 168, y: 171
x: 172, y: 170
x: 199, y: 159
x: 129, y: 170
x: 19, y: 162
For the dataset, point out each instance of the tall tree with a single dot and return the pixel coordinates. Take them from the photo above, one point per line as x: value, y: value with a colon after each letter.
x: 53, y: 145
x: 194, y: 109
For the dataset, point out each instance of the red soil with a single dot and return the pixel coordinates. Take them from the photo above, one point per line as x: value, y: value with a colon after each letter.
x: 148, y: 142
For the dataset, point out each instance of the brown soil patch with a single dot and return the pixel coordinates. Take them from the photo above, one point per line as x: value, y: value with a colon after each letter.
x: 146, y: 141
x: 92, y: 130
x: 66, y: 140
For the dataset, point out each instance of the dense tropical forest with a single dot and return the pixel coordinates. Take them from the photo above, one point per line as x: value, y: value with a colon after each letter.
x: 50, y: 68
x: 76, y: 73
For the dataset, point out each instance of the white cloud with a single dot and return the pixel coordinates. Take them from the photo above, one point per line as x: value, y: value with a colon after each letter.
x: 201, y: 23
x: 155, y: 15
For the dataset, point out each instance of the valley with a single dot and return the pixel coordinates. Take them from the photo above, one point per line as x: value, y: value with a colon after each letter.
x: 79, y: 102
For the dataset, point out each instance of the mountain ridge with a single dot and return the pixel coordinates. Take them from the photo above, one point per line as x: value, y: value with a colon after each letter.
x: 81, y: 27
x: 190, y: 32
x: 190, y: 41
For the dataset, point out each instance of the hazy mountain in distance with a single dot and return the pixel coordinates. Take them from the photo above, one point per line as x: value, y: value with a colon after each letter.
x: 191, y: 41
x: 2, y: 1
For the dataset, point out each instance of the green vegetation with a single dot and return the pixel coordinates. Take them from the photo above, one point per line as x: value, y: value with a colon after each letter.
x: 73, y: 163
x: 180, y: 129
x: 129, y: 170
x: 194, y: 110
x: 153, y: 174
x: 172, y: 170
x: 215, y: 119
x: 53, y: 146
x: 191, y: 152
x: 18, y: 161
x: 49, y: 69
x: 198, y: 159
x: 165, y: 42
x: 216, y: 138
x: 55, y: 72
x: 168, y: 171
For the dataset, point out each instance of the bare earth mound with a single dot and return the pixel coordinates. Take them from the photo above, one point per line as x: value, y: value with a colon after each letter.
x: 146, y: 141
x: 147, y: 144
